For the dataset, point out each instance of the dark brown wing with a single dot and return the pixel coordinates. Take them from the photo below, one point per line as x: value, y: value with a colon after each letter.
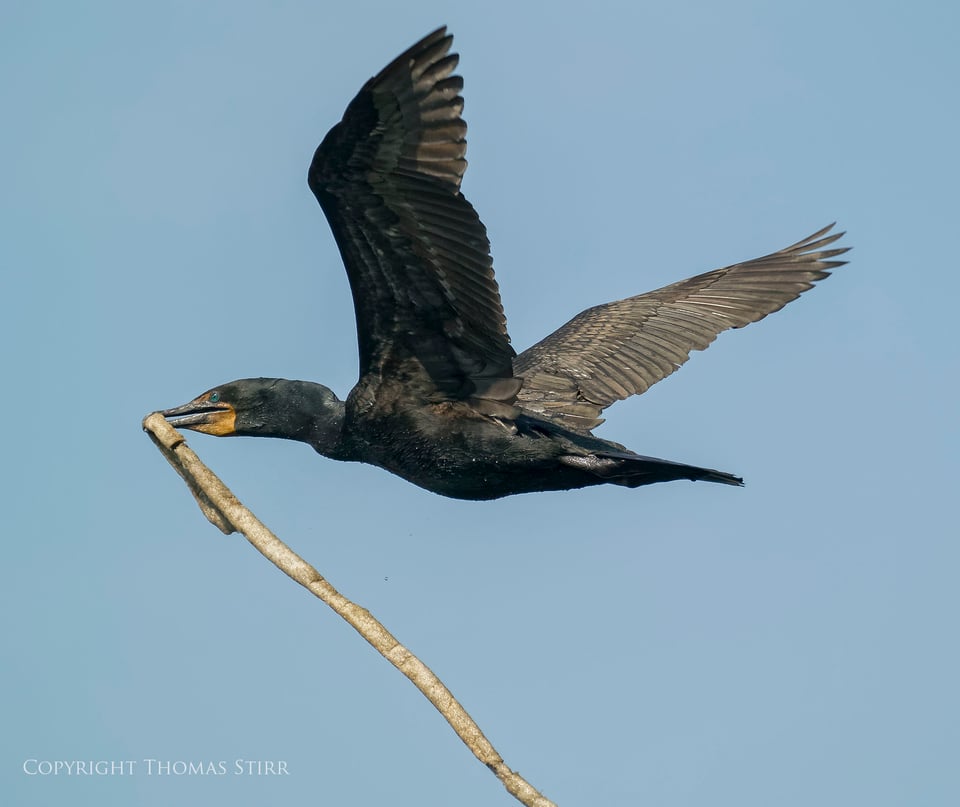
x: 388, y: 179
x: 613, y: 351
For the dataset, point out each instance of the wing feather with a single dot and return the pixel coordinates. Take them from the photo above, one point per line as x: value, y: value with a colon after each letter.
x: 612, y: 351
x: 416, y: 253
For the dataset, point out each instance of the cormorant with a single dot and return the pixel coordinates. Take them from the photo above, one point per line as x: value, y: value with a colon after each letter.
x: 442, y: 399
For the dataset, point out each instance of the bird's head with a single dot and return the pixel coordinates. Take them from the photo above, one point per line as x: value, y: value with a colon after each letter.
x: 263, y: 407
x: 213, y: 412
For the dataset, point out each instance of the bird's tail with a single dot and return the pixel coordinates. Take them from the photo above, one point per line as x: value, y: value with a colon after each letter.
x: 633, y: 470
x: 636, y: 471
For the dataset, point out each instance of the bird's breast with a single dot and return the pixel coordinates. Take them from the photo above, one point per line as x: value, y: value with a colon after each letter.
x: 450, y: 448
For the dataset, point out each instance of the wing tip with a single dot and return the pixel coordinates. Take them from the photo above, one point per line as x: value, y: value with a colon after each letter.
x: 819, y: 240
x: 437, y: 39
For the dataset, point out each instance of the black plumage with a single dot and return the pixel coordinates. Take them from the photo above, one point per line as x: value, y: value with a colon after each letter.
x: 442, y: 398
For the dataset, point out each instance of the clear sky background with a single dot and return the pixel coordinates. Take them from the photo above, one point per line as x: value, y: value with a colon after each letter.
x: 790, y: 643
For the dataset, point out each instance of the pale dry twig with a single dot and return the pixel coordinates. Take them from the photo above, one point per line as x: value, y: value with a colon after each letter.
x: 225, y: 511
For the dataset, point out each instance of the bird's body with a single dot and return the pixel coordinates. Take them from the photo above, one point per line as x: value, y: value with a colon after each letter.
x: 450, y: 448
x: 443, y: 400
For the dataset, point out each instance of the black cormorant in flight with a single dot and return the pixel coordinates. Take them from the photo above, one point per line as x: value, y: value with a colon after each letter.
x: 443, y: 400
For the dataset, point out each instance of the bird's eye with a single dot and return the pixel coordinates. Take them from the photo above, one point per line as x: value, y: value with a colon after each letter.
x: 214, y: 397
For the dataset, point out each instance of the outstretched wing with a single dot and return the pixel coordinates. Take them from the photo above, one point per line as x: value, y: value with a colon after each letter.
x: 417, y: 256
x: 613, y: 351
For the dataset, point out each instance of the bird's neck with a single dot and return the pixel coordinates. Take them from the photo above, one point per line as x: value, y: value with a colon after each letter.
x: 296, y: 410
x: 320, y: 420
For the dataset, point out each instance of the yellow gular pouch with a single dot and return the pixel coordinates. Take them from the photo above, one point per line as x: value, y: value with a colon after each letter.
x: 221, y: 423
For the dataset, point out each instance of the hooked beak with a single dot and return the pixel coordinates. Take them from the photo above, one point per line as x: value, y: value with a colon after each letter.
x: 201, y: 415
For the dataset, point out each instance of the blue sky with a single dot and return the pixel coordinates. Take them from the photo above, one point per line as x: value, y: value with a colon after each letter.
x: 790, y: 643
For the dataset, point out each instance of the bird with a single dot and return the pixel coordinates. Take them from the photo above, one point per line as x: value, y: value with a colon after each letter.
x: 442, y: 399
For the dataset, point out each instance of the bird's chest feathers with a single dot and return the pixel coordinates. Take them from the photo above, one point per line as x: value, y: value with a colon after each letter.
x: 442, y: 437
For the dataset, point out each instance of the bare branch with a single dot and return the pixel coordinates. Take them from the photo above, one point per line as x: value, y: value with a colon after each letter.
x: 225, y: 511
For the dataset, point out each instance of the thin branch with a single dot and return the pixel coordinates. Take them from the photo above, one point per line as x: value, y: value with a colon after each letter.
x: 225, y: 512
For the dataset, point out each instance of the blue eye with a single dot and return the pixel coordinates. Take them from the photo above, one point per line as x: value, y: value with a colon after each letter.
x: 214, y: 397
